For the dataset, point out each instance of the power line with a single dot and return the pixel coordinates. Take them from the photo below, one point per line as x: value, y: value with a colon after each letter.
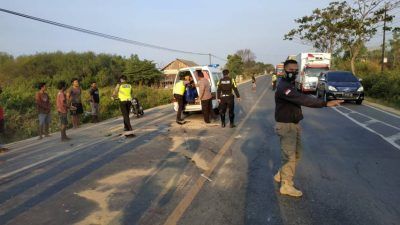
x: 219, y: 58
x: 103, y: 35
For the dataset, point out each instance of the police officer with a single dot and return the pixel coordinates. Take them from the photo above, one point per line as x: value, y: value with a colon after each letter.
x: 288, y: 102
x: 123, y: 91
x: 225, y: 97
x: 179, y: 91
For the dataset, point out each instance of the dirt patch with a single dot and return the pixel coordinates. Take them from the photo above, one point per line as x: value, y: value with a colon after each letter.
x: 107, y: 187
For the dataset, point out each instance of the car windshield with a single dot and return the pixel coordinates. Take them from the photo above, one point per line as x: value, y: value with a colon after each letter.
x: 342, y: 77
x: 314, y: 72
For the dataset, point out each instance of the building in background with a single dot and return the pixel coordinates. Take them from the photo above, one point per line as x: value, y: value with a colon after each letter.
x: 172, y: 69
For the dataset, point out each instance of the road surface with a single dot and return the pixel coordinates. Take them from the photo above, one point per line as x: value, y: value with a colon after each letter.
x: 204, y: 174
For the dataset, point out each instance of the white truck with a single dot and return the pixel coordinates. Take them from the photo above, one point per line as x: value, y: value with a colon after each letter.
x: 311, y: 64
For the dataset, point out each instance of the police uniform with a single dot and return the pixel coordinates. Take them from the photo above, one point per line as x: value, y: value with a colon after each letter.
x: 179, y: 91
x: 288, y: 114
x: 224, y: 92
x: 125, y: 98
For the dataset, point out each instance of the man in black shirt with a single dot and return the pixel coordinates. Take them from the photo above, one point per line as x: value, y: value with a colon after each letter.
x: 94, y: 102
x: 288, y: 114
x: 226, y: 99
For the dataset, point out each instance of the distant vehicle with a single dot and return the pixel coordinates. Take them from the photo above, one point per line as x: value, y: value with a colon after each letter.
x: 341, y: 85
x: 310, y: 67
x: 291, y: 57
x: 279, y: 70
x: 212, y: 74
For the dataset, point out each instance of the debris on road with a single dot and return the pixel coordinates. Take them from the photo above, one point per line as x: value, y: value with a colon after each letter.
x: 207, y: 178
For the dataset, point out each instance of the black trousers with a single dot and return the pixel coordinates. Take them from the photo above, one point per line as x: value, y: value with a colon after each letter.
x: 125, y: 107
x: 179, y: 99
x: 227, y: 103
x: 206, y: 106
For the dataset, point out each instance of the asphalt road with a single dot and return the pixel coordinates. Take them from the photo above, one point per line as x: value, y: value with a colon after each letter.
x: 204, y: 174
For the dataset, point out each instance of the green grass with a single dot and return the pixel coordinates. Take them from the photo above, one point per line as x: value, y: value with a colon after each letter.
x: 21, y: 117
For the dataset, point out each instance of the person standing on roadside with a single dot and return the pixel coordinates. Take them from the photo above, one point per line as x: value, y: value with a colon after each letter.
x: 123, y: 91
x: 94, y: 102
x: 62, y: 109
x: 179, y: 92
x: 253, y: 83
x: 205, y: 96
x: 43, y: 106
x: 288, y: 114
x: 2, y: 127
x: 226, y: 99
x: 75, y: 100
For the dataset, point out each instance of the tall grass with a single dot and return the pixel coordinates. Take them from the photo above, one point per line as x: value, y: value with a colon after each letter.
x: 21, y: 117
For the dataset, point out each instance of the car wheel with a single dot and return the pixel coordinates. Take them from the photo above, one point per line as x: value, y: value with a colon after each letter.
x: 359, y: 102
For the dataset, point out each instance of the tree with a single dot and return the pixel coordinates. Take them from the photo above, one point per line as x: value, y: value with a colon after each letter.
x: 247, y: 55
x: 142, y: 72
x: 350, y: 26
x: 234, y: 65
x: 322, y: 29
x: 395, y: 49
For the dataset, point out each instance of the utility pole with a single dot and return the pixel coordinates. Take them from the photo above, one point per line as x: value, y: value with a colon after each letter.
x: 384, y: 40
x: 209, y: 57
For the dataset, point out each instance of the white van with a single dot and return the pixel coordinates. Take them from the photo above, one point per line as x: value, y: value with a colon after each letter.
x: 212, y: 74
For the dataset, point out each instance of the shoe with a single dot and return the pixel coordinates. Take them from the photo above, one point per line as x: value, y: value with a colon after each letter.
x: 290, y: 190
x: 232, y: 125
x: 277, y: 177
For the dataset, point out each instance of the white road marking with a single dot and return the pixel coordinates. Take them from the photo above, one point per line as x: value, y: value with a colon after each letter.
x: 390, y: 140
x: 370, y: 118
x: 68, y: 151
x: 380, y: 110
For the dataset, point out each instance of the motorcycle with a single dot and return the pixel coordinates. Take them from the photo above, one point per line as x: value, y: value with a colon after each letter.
x: 136, y: 108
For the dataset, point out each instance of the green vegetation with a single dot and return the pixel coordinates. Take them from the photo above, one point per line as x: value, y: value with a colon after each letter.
x: 19, y: 76
x: 243, y: 62
x: 385, y: 87
x: 343, y: 28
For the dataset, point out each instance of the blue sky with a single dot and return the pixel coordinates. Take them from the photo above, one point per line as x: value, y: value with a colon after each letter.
x: 217, y: 27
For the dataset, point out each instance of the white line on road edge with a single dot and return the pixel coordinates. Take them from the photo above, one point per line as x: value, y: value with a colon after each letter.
x: 33, y: 140
x: 88, y: 144
x: 380, y: 110
x: 388, y: 139
x: 76, y: 148
x: 183, y: 205
x: 370, y: 118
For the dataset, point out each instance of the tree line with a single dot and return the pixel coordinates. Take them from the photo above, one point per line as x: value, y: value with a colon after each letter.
x: 87, y: 67
x: 243, y: 62
x: 343, y: 28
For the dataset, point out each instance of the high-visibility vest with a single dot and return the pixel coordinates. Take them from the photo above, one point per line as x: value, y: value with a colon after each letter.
x: 179, y: 88
x: 124, y: 93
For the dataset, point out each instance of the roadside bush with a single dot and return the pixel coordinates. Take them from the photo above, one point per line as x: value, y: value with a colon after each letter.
x: 21, y: 115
